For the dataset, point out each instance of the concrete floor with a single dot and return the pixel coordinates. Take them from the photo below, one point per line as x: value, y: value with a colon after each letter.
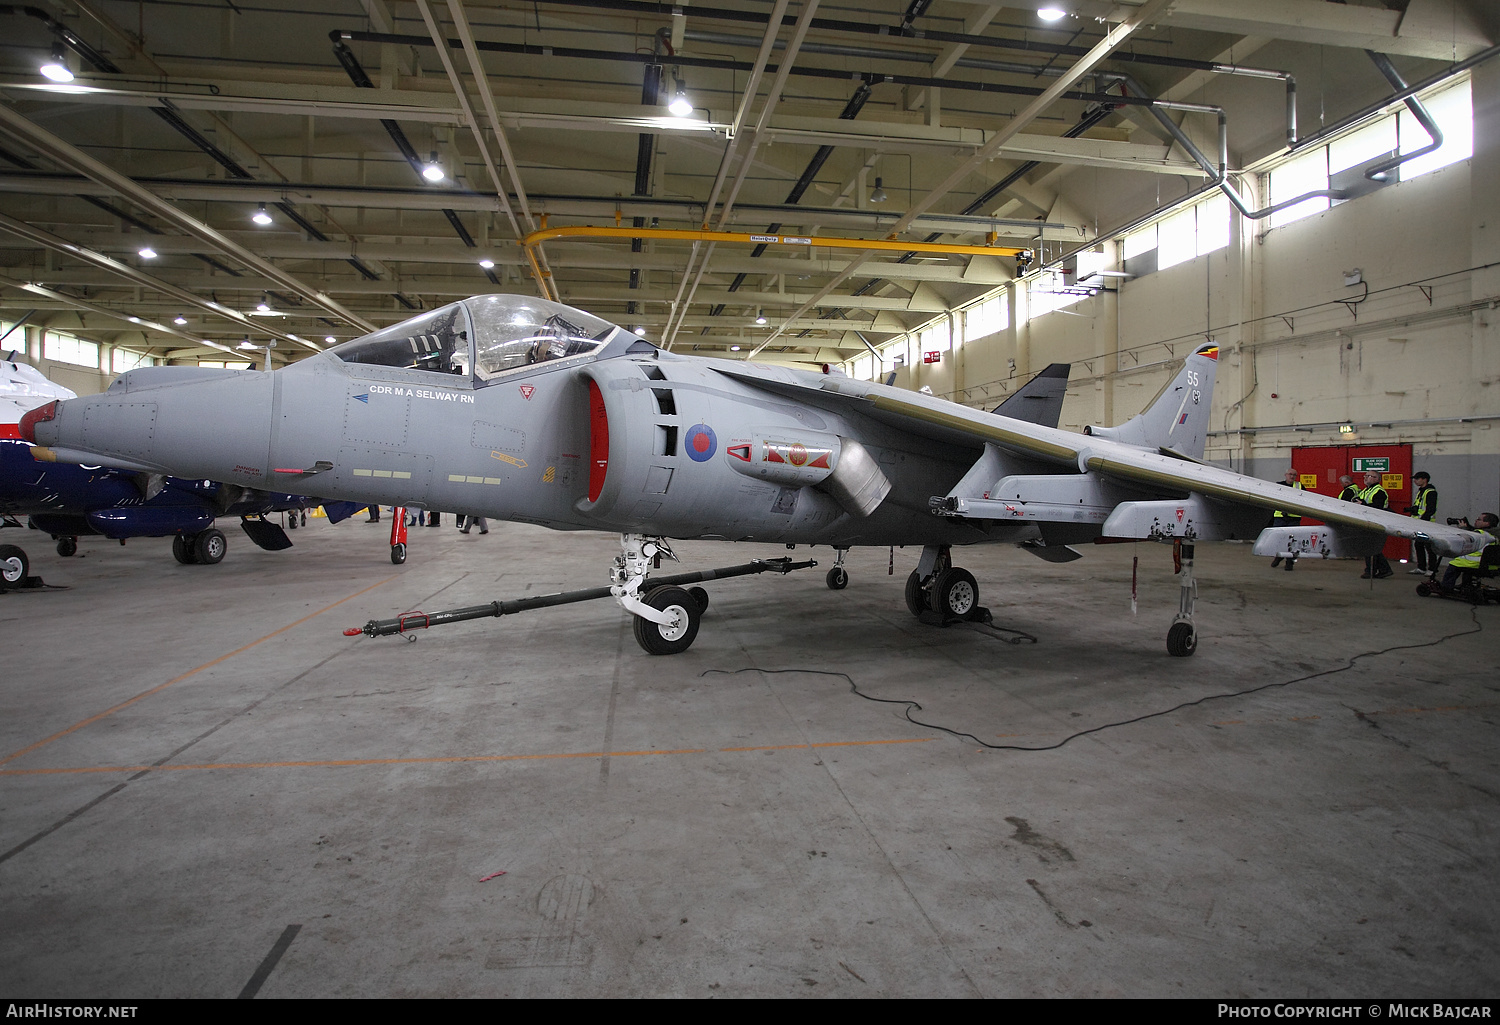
x: 193, y: 759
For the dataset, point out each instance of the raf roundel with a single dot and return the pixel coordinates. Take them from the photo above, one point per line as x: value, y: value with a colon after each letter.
x: 701, y: 443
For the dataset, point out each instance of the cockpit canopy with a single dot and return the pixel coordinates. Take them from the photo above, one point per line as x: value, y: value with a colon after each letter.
x: 492, y: 334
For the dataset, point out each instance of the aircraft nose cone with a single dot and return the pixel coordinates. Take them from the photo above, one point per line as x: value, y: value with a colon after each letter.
x: 41, y: 414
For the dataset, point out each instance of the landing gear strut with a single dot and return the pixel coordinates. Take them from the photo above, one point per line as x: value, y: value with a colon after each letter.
x: 937, y: 586
x: 1182, y: 639
x: 838, y: 577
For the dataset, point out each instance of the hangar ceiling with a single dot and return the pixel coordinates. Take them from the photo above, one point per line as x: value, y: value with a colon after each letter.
x: 975, y: 128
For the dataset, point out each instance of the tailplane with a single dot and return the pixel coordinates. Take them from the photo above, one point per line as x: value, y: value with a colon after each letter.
x: 1177, y: 421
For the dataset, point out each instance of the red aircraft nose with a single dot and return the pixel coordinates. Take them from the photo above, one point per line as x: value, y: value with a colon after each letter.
x: 39, y: 415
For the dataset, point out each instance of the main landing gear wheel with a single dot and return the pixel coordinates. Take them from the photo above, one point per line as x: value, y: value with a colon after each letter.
x: 837, y: 578
x: 67, y: 546
x: 1182, y: 640
x: 916, y: 598
x: 398, y: 553
x: 210, y: 546
x: 13, y: 565
x: 956, y: 594
x: 182, y: 549
x: 676, y: 636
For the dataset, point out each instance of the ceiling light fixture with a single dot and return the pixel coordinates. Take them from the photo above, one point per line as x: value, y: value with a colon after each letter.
x: 878, y: 195
x: 680, y: 106
x: 329, y: 339
x: 760, y: 316
x: 1051, y: 13
x: 433, y: 171
x: 265, y: 305
x: 260, y: 216
x: 734, y: 348
x: 487, y: 263
x: 179, y: 320
x: 641, y: 332
x: 56, y: 67
x: 146, y: 253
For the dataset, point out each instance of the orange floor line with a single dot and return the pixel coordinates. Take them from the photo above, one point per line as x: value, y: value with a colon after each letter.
x: 178, y: 679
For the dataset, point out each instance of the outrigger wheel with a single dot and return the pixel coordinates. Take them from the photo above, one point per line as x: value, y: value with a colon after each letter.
x: 67, y: 545
x: 13, y: 565
x: 676, y: 636
x: 398, y: 553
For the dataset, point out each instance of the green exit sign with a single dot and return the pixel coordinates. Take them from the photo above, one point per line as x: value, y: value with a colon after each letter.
x: 1380, y: 464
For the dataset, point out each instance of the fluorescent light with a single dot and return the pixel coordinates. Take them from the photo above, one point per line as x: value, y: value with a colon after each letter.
x: 680, y: 106
x: 1051, y: 13
x: 260, y: 216
x: 146, y: 253
x: 56, y: 67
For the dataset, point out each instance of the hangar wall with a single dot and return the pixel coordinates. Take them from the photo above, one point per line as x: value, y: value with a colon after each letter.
x: 1417, y: 361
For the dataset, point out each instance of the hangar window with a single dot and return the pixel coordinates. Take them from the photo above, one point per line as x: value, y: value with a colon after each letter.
x: 986, y: 318
x: 436, y: 341
x: 515, y: 332
x: 1453, y: 111
x: 1307, y: 173
x: 121, y: 360
x: 219, y: 364
x: 68, y: 349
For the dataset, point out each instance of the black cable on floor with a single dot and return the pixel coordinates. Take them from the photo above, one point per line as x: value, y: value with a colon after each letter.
x: 910, y: 704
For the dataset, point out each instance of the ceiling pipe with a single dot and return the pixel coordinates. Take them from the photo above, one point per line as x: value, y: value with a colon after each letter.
x: 905, y: 30
x: 361, y: 79
x: 768, y: 107
x: 136, y: 276
x: 1113, y: 38
x: 139, y: 322
x: 724, y: 64
x: 70, y: 156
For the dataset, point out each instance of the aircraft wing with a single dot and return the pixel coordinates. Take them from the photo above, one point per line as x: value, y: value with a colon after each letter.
x: 1173, y: 474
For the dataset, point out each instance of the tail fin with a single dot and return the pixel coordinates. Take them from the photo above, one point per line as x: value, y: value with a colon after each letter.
x: 1177, y: 421
x: 1039, y: 400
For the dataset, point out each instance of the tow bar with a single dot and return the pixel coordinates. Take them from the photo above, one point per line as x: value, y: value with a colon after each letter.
x: 409, y: 621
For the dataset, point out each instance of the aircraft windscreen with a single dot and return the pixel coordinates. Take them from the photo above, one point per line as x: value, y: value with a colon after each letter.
x: 437, y: 341
x: 512, y: 332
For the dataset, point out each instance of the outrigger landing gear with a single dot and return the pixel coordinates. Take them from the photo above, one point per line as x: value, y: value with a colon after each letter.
x: 938, y: 587
x: 1182, y: 639
x: 666, y: 619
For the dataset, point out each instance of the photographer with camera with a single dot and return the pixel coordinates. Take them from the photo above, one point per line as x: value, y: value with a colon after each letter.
x: 1485, y: 525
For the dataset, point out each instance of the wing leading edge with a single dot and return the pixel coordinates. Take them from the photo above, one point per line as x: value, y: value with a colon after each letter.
x: 1117, y: 460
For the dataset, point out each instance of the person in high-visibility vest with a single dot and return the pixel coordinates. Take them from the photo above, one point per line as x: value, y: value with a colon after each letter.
x: 1279, y: 518
x: 1423, y: 507
x: 1486, y: 524
x: 1348, y: 492
x: 1373, y: 495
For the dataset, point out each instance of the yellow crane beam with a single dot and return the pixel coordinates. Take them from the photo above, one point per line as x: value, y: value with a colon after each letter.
x: 545, y: 234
